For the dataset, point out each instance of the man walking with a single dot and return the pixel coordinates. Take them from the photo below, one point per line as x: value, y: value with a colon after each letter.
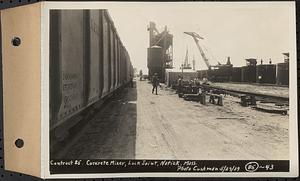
x: 155, y: 83
x: 141, y: 75
x: 179, y: 84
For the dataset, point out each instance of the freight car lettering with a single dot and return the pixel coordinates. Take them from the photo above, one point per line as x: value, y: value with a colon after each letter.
x: 68, y: 100
x: 95, y: 27
x: 83, y: 83
x: 70, y: 76
x: 69, y: 86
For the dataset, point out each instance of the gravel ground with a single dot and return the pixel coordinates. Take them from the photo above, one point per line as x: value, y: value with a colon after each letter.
x: 139, y: 125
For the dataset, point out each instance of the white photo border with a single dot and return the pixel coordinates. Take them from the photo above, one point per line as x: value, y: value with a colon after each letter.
x: 45, y: 152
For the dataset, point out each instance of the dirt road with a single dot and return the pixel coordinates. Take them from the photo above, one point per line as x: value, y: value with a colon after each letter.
x: 140, y: 125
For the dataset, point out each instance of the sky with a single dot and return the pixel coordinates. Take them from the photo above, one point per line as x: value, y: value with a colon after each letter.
x: 239, y: 30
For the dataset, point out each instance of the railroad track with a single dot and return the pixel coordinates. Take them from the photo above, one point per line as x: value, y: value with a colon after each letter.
x: 238, y: 93
x: 259, y: 84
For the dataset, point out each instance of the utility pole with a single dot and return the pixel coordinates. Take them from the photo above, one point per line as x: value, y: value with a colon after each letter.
x: 194, y: 62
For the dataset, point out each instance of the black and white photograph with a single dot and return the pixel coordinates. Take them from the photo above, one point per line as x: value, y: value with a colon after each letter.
x: 190, y: 87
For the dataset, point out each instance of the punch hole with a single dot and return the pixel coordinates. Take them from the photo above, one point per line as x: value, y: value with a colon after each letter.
x: 19, y: 143
x: 16, y: 41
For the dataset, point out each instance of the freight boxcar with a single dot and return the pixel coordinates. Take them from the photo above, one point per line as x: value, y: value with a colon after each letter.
x: 249, y: 71
x: 282, y: 74
x: 88, y: 61
x: 221, y: 73
x: 236, y: 74
x: 266, y: 74
x: 249, y: 74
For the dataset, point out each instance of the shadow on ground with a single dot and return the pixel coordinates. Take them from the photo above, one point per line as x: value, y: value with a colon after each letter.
x: 110, y: 134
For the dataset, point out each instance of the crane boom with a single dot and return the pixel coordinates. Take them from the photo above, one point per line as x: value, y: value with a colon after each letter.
x: 196, y: 38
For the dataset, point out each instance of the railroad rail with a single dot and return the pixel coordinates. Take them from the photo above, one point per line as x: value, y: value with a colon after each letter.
x: 238, y: 93
x: 259, y: 84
